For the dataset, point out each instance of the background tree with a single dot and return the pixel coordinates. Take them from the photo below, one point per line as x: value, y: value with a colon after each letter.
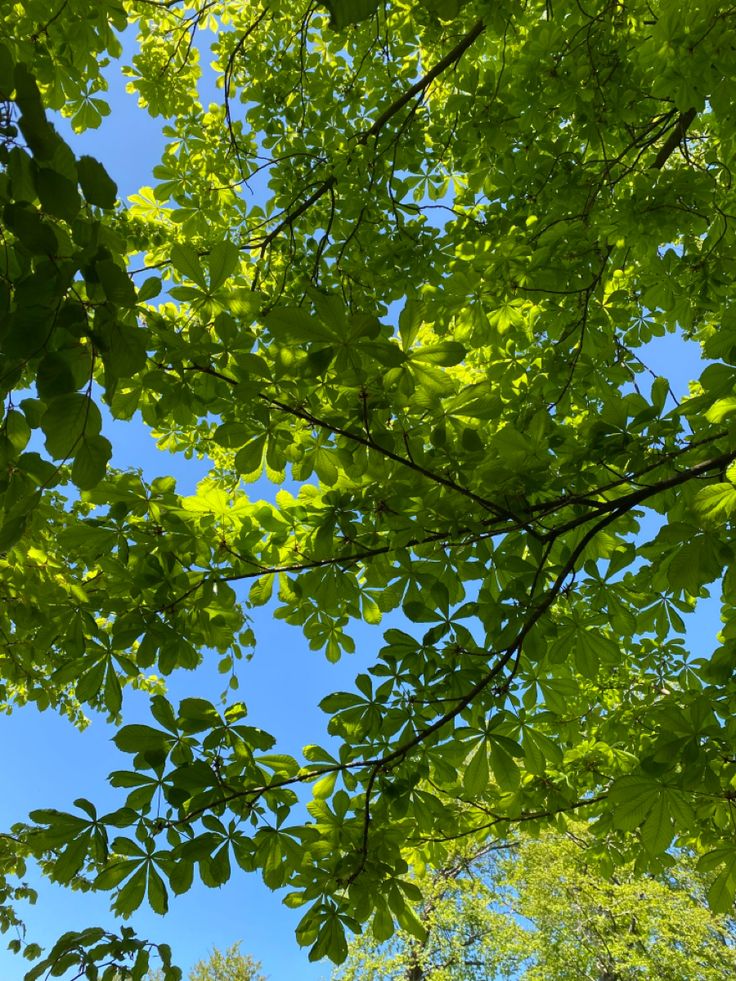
x: 432, y: 319
x: 228, y: 965
x: 540, y: 911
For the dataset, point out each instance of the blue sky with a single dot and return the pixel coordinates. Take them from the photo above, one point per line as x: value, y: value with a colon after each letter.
x: 53, y: 763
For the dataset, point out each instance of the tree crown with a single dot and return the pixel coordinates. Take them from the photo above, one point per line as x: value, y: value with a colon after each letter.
x: 407, y: 263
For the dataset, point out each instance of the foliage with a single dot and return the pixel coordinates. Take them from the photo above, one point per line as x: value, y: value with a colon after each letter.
x: 537, y: 910
x: 409, y: 262
x: 229, y: 965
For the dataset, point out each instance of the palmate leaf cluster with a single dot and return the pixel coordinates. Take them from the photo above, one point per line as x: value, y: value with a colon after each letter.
x: 408, y: 261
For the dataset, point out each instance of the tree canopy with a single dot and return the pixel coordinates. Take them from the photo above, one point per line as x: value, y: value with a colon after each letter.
x: 537, y: 910
x: 405, y: 258
x: 228, y: 965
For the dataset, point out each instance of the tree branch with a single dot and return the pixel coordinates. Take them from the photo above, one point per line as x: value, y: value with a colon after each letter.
x: 396, y: 457
x: 674, y: 139
x: 617, y: 509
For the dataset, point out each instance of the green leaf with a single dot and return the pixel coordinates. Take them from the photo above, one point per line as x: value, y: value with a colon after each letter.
x: 325, y: 466
x: 223, y: 260
x: 66, y: 421
x: 446, y: 9
x: 11, y: 531
x: 196, y: 714
x: 504, y: 768
x: 722, y: 890
x: 113, y: 695
x: 186, y: 261
x: 535, y: 759
x: 295, y: 325
x: 231, y: 434
x: 7, y: 80
x: 382, y: 924
x: 163, y: 713
x: 20, y: 172
x: 139, y: 738
x: 71, y: 858
x: 39, y: 134
x: 371, y: 610
x: 157, y: 895
x: 29, y: 330
x: 261, y: 590
x: 660, y: 391
x: 97, y: 186
x: 476, y: 775
x: 408, y: 921
x: 717, y: 502
x: 721, y: 409
x: 58, y: 195
x: 693, y: 565
x: 63, y: 371
x: 126, y: 354
x: 249, y: 460
x: 324, y: 787
x: 216, y: 871
x: 91, y: 456
x: 150, y: 288
x: 633, y: 798
x: 116, y: 283
x: 114, y: 873
x: 90, y: 682
x: 130, y: 896
x: 35, y: 234
x: 446, y: 353
x: 345, y: 12
x: 657, y: 830
x: 17, y: 429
